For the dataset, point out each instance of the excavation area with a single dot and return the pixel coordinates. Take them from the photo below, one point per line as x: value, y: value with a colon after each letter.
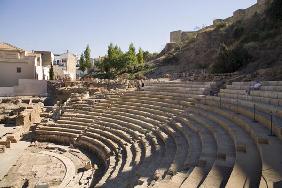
x: 48, y: 164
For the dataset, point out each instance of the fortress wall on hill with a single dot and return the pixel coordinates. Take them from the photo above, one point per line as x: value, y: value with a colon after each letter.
x: 241, y: 14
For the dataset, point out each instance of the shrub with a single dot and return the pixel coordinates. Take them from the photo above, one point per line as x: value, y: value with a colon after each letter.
x: 171, y: 59
x: 230, y: 60
x: 220, y: 25
x: 251, y: 37
x: 238, y: 31
x: 275, y: 10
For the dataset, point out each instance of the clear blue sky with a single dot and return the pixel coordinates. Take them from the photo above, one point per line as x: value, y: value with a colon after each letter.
x: 58, y: 25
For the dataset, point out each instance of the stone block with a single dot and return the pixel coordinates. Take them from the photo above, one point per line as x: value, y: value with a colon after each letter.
x: 241, y: 148
x: 221, y: 156
x: 202, y: 163
x: 11, y: 139
x: 262, y: 141
x: 2, y: 148
x: 5, y: 143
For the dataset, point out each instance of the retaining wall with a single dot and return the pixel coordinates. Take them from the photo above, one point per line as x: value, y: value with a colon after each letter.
x: 26, y: 87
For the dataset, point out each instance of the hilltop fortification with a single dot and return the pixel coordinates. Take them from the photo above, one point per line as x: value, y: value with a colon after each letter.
x: 241, y: 14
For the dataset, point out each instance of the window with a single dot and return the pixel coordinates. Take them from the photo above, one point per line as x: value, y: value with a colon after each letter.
x: 38, y: 61
x: 19, y: 69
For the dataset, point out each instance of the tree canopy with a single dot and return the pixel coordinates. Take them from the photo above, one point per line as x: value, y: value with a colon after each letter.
x: 140, y: 57
x: 82, y: 63
x: 51, y: 72
x: 85, y: 59
x: 117, y: 62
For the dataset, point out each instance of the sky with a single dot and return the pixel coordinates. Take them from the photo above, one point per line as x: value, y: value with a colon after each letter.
x: 61, y: 25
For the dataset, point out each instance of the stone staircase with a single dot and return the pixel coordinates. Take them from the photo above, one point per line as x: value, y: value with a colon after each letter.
x: 173, y: 134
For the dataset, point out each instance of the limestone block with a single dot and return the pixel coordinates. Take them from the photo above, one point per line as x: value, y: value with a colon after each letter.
x: 2, y: 148
x: 88, y: 165
x: 11, y: 139
x: 41, y: 185
x: 23, y: 119
x: 5, y: 143
x: 262, y: 141
x: 221, y: 156
x: 241, y: 148
x: 202, y: 163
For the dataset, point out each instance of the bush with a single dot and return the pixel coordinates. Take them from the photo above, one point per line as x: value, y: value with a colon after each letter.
x: 220, y: 25
x: 251, y: 37
x: 275, y: 10
x: 238, y: 31
x: 103, y: 75
x: 230, y: 60
x: 171, y: 59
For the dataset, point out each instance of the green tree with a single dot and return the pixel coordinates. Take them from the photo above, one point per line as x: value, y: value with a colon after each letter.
x: 130, y: 58
x: 114, y: 60
x: 140, y: 57
x: 82, y: 63
x: 149, y: 56
x: 117, y: 59
x: 51, y: 72
x: 87, y: 60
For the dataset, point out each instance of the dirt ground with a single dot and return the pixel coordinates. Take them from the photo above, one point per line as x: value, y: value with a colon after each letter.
x: 37, y: 167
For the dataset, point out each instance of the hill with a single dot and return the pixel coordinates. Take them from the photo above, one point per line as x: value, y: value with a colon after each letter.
x: 250, y: 42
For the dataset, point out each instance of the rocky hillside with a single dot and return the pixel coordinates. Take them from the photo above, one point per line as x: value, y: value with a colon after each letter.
x: 250, y: 46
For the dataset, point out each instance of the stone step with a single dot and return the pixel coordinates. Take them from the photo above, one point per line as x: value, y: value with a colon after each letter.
x: 264, y: 117
x: 263, y: 88
x: 114, y: 149
x: 264, y: 83
x: 199, y: 91
x: 99, y: 150
x: 208, y: 154
x: 267, y: 108
x: 221, y: 169
x: 255, y: 93
x: 263, y: 100
x: 269, y: 147
x: 127, y: 155
x: 60, y: 129
x: 161, y: 94
x: 174, y: 103
x: 247, y: 162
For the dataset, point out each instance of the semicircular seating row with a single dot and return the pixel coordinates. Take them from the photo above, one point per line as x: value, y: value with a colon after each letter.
x: 171, y: 135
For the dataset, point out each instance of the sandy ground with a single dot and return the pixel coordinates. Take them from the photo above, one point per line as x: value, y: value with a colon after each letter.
x: 10, y: 157
x: 43, y: 163
x: 4, y: 130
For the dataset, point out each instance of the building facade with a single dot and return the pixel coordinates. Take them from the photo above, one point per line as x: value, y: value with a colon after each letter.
x: 16, y: 63
x: 47, y: 60
x: 64, y: 66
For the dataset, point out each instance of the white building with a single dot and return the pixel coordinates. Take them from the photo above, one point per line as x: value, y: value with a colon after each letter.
x: 21, y: 72
x: 16, y: 63
x: 64, y: 66
x: 47, y: 59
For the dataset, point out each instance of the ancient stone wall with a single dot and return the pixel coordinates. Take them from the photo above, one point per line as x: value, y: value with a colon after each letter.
x: 241, y: 14
x: 181, y: 36
x: 175, y: 36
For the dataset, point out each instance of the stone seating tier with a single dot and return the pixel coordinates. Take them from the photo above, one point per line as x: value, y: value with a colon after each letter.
x: 171, y: 135
x: 266, y: 144
x: 265, y: 83
x: 269, y: 116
